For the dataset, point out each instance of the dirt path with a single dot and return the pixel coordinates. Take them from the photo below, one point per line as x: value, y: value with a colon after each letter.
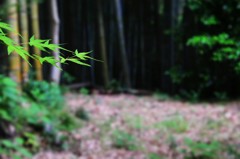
x: 129, y: 127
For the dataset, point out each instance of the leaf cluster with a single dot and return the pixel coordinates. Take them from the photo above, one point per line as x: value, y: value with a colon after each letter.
x: 209, y: 56
x: 218, y: 35
x: 43, y: 45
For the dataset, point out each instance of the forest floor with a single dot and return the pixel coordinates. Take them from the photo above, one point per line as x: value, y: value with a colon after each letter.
x: 131, y: 127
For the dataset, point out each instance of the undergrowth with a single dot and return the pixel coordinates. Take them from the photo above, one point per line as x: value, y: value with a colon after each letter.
x: 31, y: 118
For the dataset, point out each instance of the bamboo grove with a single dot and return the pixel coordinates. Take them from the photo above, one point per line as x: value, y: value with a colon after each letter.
x: 18, y: 44
x: 147, y: 44
x: 135, y: 39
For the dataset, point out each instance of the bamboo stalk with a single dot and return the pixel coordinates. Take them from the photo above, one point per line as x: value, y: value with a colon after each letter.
x: 55, y: 30
x: 102, y: 40
x: 36, y: 33
x: 25, y: 34
x: 91, y: 37
x: 122, y: 43
x: 15, y: 69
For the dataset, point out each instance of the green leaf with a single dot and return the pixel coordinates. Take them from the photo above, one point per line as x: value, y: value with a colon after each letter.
x: 43, y: 45
x: 5, y: 115
x: 5, y: 26
x: 209, y: 20
x: 83, y: 55
x: 16, y: 157
x: 19, y: 141
x: 10, y: 49
x: 7, y: 143
x: 6, y: 40
x: 24, y: 152
x: 78, y: 62
x: 62, y: 59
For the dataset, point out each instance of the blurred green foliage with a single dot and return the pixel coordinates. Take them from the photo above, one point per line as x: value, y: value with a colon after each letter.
x: 135, y: 122
x: 211, y: 34
x: 175, y: 124
x: 45, y: 93
x: 154, y: 156
x: 10, y: 147
x: 124, y: 140
x: 36, y: 114
x: 84, y: 91
x: 201, y: 150
x: 161, y: 96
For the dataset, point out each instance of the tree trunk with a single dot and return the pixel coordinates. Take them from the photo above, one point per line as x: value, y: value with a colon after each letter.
x: 102, y: 41
x: 24, y: 33
x: 36, y: 33
x: 55, y: 27
x: 15, y: 69
x: 122, y: 43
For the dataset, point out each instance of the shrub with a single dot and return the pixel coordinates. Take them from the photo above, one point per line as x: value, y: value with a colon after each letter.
x: 39, y: 112
x: 48, y: 94
x: 9, y: 98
